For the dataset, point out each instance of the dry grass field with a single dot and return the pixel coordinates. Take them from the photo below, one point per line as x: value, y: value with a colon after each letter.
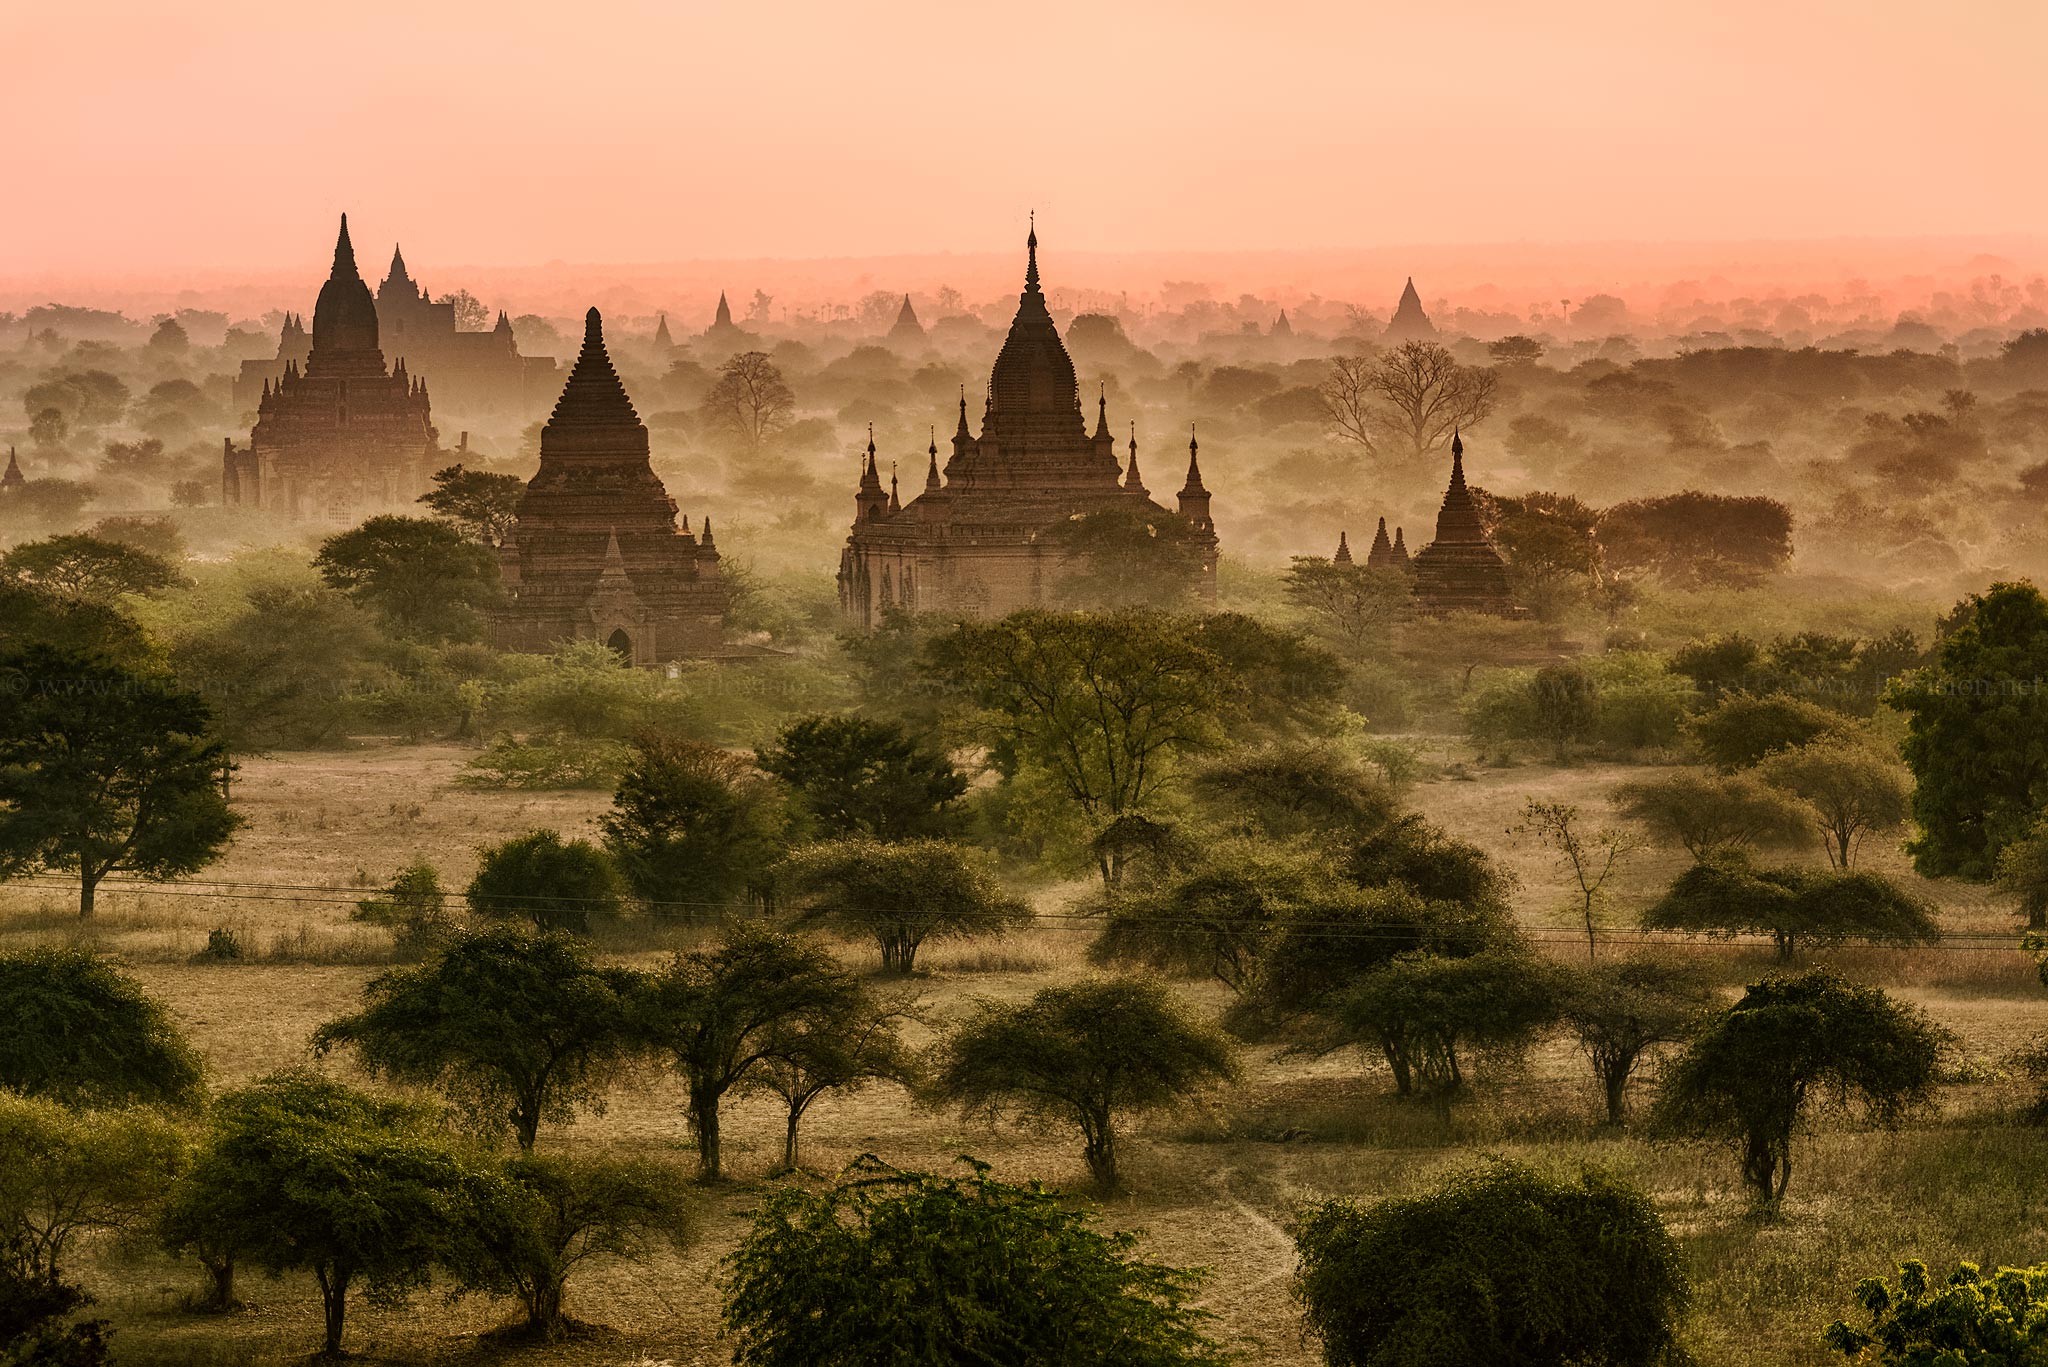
x: 1213, y: 1186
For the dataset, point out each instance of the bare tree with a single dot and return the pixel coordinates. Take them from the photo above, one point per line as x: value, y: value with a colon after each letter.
x: 471, y: 315
x: 1590, y: 857
x: 1411, y: 398
x: 750, y: 400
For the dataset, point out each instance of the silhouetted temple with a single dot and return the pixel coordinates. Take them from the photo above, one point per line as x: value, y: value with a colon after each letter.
x: 907, y: 328
x: 343, y: 437
x: 723, y: 332
x: 662, y: 340
x: 1460, y: 571
x: 596, y: 553
x: 975, y: 541
x: 1410, y: 323
x: 294, y: 344
x: 13, y: 479
x: 470, y: 371
x: 1386, y: 555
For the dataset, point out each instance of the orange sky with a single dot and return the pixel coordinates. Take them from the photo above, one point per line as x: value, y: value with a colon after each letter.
x: 147, y: 138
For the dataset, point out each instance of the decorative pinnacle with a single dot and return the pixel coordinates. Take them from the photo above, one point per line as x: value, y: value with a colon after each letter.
x: 1031, y: 259
x: 344, y: 251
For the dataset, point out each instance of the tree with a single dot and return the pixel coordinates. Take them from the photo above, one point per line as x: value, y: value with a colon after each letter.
x: 749, y: 400
x: 1516, y: 350
x: 1102, y: 702
x: 1972, y: 1320
x: 1499, y: 1264
x: 80, y: 1031
x: 1126, y: 558
x: 413, y: 908
x: 1977, y: 733
x: 1355, y: 605
x: 887, y: 1267
x: 1708, y: 814
x: 718, y: 1014
x: 37, y: 1324
x: 1411, y: 397
x: 1591, y: 857
x: 66, y: 1175
x: 517, y: 1027
x: 79, y: 566
x: 1850, y: 789
x: 283, y: 664
x: 1758, y: 1070
x: 1741, y: 730
x: 1292, y: 789
x: 1087, y: 1054
x: 556, y: 884
x: 691, y: 825
x: 1726, y: 896
x: 1564, y: 704
x: 815, y: 1053
x: 2023, y: 874
x: 106, y: 771
x: 1622, y: 1009
x: 898, y: 895
x: 425, y: 579
x: 471, y: 314
x: 483, y: 505
x: 1421, y: 1009
x: 854, y: 776
x: 300, y: 1173
x: 549, y: 1215
x: 1695, y: 539
x: 101, y: 630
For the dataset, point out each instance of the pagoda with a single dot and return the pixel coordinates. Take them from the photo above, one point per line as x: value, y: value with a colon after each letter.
x: 343, y: 436
x: 474, y: 372
x: 976, y: 540
x: 595, y: 553
x: 907, y: 328
x: 1460, y: 571
x: 1385, y: 554
x: 1409, y: 323
x: 12, y: 481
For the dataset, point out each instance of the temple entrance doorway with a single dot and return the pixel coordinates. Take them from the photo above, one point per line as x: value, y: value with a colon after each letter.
x: 621, y: 645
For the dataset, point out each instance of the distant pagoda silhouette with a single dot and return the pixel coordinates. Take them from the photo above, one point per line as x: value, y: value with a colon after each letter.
x: 907, y: 328
x: 595, y: 553
x: 1410, y: 323
x: 975, y: 541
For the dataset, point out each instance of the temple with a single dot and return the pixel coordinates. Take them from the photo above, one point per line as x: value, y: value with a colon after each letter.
x: 341, y: 437
x: 13, y: 480
x: 1409, y: 323
x: 473, y: 372
x: 723, y: 332
x: 907, y: 329
x: 975, y: 540
x: 294, y: 344
x: 1460, y: 571
x: 1386, y: 555
x: 595, y: 554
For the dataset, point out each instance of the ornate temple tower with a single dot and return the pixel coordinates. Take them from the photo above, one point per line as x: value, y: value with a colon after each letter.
x: 975, y: 540
x: 907, y: 329
x: 596, y: 553
x: 341, y: 437
x: 1460, y: 571
x: 1410, y: 323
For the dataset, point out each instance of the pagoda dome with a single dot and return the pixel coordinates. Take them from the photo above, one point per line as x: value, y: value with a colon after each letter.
x: 345, y: 316
x: 1034, y: 394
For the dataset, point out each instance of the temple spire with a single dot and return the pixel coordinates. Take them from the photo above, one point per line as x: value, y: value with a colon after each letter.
x: 1102, y: 413
x: 397, y: 271
x: 931, y: 475
x: 344, y: 254
x: 894, y: 502
x: 1031, y: 257
x: 1132, y: 480
x: 1343, y: 555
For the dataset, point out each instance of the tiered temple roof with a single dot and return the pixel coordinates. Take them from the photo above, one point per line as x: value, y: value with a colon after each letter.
x: 1460, y: 571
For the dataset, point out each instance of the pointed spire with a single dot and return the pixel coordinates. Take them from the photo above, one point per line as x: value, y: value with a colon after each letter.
x: 1132, y: 480
x: 1194, y: 484
x: 1343, y: 555
x: 931, y: 475
x: 723, y: 318
x: 1381, y: 556
x: 1031, y: 257
x: 894, y: 502
x: 504, y: 323
x: 1102, y: 413
x: 1457, y: 459
x: 593, y: 396
x: 961, y: 431
x: 13, y: 478
x: 344, y: 255
x: 397, y: 271
x: 705, y: 540
x: 661, y: 337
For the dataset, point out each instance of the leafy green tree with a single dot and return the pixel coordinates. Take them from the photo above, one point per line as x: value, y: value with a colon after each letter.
x: 1355, y: 607
x: 899, y: 895
x: 39, y: 1325
x: 1695, y: 539
x: 550, y: 1215
x: 1622, y: 1009
x: 105, y: 771
x: 281, y: 664
x: 1709, y: 814
x: 1977, y: 734
x: 692, y: 826
x: 515, y: 1026
x: 483, y: 505
x: 811, y: 1054
x: 1103, y: 703
x: 1727, y: 896
x: 1850, y: 790
x: 1087, y: 1054
x: 854, y: 776
x: 1293, y: 788
x: 1739, y: 731
x: 888, y: 1267
x: 80, y: 1031
x: 1972, y: 1320
x: 424, y: 578
x: 1757, y: 1071
x: 1422, y: 1010
x: 2023, y: 874
x: 302, y: 1174
x: 718, y: 1014
x: 32, y: 617
x: 413, y: 908
x: 79, y: 566
x: 66, y: 1175
x: 539, y: 877
x: 1414, y: 853
x: 1499, y: 1264
x: 1564, y: 704
x: 1126, y: 558
x: 1279, y: 685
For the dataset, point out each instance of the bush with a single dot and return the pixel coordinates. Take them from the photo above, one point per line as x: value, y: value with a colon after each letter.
x: 78, y: 1030
x: 1421, y: 1010
x: 413, y: 908
x: 557, y: 762
x: 890, y: 1267
x: 898, y: 895
x: 1500, y: 1265
x: 556, y: 884
x: 1972, y: 1321
x: 1740, y: 730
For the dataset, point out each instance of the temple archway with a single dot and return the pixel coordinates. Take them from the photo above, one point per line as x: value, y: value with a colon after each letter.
x: 621, y: 645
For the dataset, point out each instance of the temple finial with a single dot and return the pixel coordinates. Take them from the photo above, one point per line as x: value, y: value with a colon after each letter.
x: 1031, y: 258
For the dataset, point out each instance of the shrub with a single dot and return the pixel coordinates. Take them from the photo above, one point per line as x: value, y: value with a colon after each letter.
x: 539, y: 877
x: 898, y: 895
x: 1974, y: 1320
x: 78, y: 1030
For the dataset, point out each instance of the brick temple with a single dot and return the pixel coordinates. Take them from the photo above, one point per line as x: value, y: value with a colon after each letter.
x: 974, y: 539
x: 596, y: 553
x: 1460, y: 571
x: 342, y: 437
